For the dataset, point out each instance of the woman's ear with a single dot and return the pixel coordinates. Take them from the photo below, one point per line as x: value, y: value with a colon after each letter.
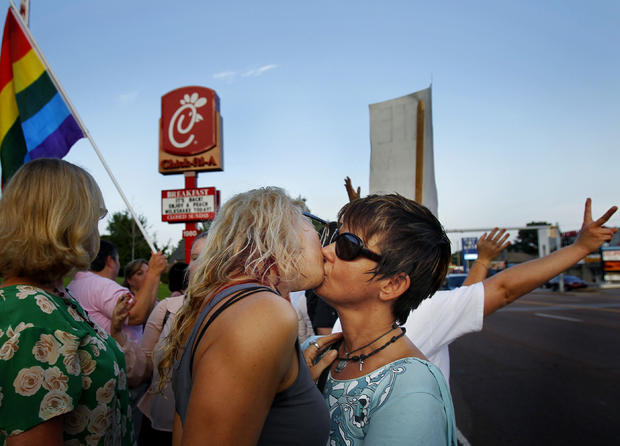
x: 393, y: 287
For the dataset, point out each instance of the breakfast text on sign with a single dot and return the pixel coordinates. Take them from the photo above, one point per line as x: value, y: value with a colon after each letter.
x: 188, y: 204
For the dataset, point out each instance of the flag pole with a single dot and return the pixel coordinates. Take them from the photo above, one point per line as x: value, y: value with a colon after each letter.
x: 77, y: 117
x: 419, y: 151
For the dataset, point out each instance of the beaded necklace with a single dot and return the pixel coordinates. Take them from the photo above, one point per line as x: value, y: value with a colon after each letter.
x: 342, y: 361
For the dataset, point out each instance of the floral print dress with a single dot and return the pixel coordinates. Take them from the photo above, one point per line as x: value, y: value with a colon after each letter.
x: 53, y: 362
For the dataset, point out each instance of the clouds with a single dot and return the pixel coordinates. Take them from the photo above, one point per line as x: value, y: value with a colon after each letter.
x: 259, y: 71
x: 224, y: 75
x: 128, y: 98
x: 230, y: 76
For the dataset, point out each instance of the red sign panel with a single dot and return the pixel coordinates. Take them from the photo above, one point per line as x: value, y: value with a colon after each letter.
x: 188, y: 121
x: 183, y: 205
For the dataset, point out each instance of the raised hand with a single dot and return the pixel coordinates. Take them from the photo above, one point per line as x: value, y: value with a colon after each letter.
x: 120, y: 314
x: 157, y: 263
x: 489, y: 246
x: 593, y: 234
x: 352, y: 193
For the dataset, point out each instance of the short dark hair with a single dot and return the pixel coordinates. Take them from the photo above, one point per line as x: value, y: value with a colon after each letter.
x: 410, y: 240
x: 177, y: 277
x: 106, y: 249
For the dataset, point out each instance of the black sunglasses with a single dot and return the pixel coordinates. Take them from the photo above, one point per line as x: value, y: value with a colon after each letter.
x: 322, y: 227
x: 349, y: 247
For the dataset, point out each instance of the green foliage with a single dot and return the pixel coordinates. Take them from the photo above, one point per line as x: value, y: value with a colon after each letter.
x: 527, y: 240
x: 125, y: 234
x: 162, y: 291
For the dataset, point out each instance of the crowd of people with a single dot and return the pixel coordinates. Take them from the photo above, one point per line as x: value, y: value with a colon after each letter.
x: 227, y: 359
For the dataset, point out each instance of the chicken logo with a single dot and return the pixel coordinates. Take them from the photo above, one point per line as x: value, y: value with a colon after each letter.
x: 188, y: 121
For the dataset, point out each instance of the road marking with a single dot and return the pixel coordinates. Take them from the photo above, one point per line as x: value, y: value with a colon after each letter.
x: 531, y: 302
x: 606, y: 307
x: 461, y: 438
x: 564, y: 318
x: 609, y: 310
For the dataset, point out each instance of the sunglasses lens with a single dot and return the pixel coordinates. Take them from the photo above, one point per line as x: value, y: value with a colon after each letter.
x: 348, y: 246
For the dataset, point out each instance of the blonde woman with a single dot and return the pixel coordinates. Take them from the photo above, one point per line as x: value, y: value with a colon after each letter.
x: 239, y: 377
x: 62, y: 379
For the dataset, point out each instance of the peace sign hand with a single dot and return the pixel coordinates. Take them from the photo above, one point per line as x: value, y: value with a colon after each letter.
x: 593, y: 234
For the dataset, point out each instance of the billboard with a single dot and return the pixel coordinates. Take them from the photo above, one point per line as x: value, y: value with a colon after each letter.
x: 190, y: 131
x: 401, y: 154
x: 610, y: 257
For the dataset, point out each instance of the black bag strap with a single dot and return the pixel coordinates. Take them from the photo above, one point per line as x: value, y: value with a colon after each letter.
x: 236, y: 298
x: 166, y: 316
x: 324, y: 374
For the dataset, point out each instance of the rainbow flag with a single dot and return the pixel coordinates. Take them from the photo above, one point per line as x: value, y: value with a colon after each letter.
x: 35, y: 121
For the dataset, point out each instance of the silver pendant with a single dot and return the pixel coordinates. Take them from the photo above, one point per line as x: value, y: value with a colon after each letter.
x: 340, y: 366
x: 361, y: 364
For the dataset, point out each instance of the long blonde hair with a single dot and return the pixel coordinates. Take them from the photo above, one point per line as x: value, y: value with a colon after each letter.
x: 253, y: 234
x: 49, y: 213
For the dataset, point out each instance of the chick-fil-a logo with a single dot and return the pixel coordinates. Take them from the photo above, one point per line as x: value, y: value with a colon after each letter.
x: 190, y: 104
x: 188, y: 121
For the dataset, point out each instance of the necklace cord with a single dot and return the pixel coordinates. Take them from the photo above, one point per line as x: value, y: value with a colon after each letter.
x: 363, y: 357
x: 394, y: 326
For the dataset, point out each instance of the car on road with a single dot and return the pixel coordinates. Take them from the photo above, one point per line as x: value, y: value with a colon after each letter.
x: 570, y: 283
x: 453, y: 280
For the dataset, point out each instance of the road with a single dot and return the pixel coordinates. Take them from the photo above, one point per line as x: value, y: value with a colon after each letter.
x: 543, y: 371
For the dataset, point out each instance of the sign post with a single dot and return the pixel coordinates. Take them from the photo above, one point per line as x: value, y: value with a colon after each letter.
x: 469, y: 251
x: 190, y: 141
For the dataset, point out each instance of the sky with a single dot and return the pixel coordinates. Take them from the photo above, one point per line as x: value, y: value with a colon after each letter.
x: 526, y: 97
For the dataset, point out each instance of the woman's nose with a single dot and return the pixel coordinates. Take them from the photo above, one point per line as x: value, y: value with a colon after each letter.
x: 329, y: 252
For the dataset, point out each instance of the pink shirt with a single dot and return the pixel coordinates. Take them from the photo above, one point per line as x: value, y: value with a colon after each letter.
x: 98, y: 296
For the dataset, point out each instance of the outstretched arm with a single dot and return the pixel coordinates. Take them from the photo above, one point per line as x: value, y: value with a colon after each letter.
x: 146, y: 296
x: 488, y: 248
x: 352, y: 193
x: 507, y: 286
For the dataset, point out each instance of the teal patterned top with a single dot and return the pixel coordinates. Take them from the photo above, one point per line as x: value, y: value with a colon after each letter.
x: 406, y: 402
x: 54, y: 362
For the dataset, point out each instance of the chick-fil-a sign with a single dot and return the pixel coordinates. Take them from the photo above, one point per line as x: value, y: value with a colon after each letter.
x: 188, y: 121
x: 190, y: 130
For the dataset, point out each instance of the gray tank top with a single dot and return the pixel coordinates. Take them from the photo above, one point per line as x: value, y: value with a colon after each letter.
x: 298, y: 414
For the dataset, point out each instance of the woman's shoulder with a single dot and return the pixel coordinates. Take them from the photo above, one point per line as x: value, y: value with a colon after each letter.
x: 172, y: 303
x: 169, y: 304
x: 266, y: 305
x: 25, y: 303
x: 418, y: 375
x: 252, y: 320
